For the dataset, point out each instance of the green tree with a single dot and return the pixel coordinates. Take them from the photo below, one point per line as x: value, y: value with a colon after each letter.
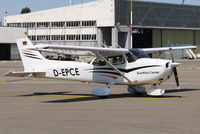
x: 25, y: 10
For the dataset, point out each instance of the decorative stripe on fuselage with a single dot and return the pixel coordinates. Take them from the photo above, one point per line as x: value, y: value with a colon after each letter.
x: 122, y: 70
x: 29, y: 54
x: 114, y: 73
x: 32, y: 57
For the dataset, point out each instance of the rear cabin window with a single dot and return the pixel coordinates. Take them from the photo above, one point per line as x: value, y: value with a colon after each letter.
x: 99, y: 62
x: 116, y: 60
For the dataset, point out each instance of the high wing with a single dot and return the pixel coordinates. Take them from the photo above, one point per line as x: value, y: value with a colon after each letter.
x: 63, y: 49
x: 83, y: 50
x: 161, y: 49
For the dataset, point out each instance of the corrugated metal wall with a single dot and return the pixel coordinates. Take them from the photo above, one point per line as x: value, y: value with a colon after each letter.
x: 166, y: 37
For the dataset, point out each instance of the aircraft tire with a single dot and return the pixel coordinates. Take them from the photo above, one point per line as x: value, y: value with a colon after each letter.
x: 103, y: 97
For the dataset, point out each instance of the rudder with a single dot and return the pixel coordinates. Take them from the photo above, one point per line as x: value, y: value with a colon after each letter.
x: 30, y: 58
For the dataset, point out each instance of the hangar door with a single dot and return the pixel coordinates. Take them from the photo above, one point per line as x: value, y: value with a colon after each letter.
x: 142, y: 38
x: 4, y: 51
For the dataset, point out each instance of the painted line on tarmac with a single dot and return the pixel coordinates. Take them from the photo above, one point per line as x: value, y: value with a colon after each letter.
x: 151, y: 98
x: 8, y: 95
x: 75, y: 96
x: 14, y: 81
x: 45, y: 82
x: 183, y: 84
x: 33, y: 81
x: 189, y: 68
x: 190, y: 75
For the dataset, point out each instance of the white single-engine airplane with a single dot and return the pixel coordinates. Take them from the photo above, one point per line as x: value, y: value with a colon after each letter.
x: 110, y: 66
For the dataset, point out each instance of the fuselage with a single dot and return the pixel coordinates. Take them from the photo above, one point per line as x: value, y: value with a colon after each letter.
x: 141, y: 71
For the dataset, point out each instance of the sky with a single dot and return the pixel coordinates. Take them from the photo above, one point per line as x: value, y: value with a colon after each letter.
x: 13, y: 7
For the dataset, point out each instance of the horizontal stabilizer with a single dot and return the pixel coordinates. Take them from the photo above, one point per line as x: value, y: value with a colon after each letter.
x: 24, y: 74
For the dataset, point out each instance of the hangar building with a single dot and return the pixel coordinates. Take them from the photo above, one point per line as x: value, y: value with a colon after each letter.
x: 108, y: 22
x: 8, y: 36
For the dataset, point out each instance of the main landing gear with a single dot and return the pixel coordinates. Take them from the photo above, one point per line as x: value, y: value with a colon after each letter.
x: 103, y: 92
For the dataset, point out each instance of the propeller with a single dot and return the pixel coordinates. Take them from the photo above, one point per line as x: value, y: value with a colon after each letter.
x: 174, y: 64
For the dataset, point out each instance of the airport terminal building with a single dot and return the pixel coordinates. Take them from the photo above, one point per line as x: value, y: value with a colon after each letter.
x: 108, y: 22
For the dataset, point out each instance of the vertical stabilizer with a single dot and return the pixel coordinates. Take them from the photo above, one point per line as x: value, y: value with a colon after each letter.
x: 32, y: 60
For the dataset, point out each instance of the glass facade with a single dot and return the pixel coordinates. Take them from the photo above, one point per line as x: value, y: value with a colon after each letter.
x: 158, y: 14
x: 89, y: 23
x: 58, y: 25
x: 84, y: 37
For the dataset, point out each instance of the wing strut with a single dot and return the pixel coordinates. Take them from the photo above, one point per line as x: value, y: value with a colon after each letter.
x: 110, y: 64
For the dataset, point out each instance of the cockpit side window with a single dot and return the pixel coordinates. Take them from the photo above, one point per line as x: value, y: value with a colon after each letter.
x: 130, y: 57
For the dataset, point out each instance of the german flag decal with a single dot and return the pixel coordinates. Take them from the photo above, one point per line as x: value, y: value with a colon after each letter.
x: 24, y: 43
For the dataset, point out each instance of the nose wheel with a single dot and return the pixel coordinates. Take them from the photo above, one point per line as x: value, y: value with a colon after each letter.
x: 154, y: 91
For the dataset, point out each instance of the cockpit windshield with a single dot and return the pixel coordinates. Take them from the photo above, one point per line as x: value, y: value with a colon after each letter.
x: 139, y: 53
x: 136, y: 54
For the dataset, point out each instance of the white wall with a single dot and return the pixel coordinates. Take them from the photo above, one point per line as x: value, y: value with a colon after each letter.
x: 101, y: 10
x: 10, y: 34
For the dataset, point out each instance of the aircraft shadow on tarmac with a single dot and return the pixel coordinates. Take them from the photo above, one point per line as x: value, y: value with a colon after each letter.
x: 46, y: 93
x: 179, y: 90
x: 90, y: 97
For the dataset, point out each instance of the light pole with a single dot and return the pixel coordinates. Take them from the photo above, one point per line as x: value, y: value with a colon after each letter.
x: 5, y: 18
x: 131, y: 17
x: 70, y: 2
x: 183, y: 1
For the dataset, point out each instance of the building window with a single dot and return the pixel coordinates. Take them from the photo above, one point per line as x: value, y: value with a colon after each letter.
x: 89, y: 37
x: 57, y: 24
x: 32, y: 37
x: 88, y: 23
x: 43, y: 37
x: 43, y: 24
x: 73, y: 23
x: 58, y: 37
x: 73, y: 37
x: 94, y: 37
x: 28, y: 25
x: 70, y: 37
x: 14, y: 24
